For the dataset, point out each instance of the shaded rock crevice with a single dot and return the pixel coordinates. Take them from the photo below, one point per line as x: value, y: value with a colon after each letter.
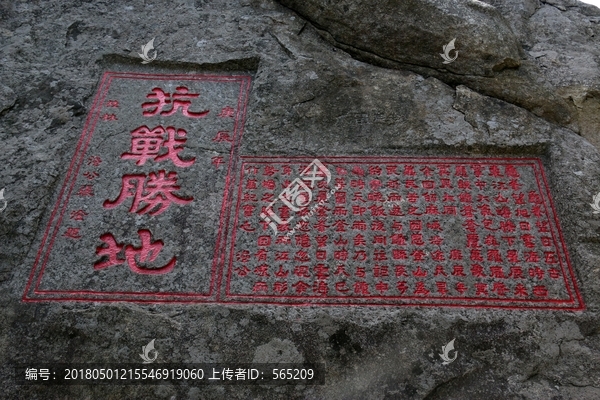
x: 495, y: 71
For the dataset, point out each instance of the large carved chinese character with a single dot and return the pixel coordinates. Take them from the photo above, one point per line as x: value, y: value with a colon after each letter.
x: 152, y: 194
x: 181, y: 99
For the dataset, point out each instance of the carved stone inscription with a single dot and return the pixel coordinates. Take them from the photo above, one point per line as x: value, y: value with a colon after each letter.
x: 469, y: 232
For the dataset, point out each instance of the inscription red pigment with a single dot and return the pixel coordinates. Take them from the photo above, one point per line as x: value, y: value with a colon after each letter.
x: 115, y: 233
x: 466, y: 232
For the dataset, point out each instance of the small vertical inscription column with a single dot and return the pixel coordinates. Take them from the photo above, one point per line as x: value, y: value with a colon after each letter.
x: 141, y: 213
x: 467, y: 232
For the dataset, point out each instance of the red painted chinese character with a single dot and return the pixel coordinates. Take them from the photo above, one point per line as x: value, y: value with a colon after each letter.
x: 379, y: 255
x: 320, y: 288
x: 301, y: 271
x: 340, y: 211
x: 428, y: 184
x: 540, y: 291
x: 146, y: 144
x: 554, y: 273
x: 399, y: 254
x: 476, y: 255
x: 72, y: 233
x: 216, y: 161
x: 427, y: 171
x: 510, y: 240
x: 516, y: 272
x: 438, y: 255
x: 449, y: 210
x: 465, y: 197
x: 481, y: 289
x: 439, y: 270
x: 358, y: 171
x: 264, y: 240
x: 494, y: 255
x: 507, y: 226
x: 94, y: 160
x: 380, y: 270
x: 156, y: 191
x: 409, y: 170
x: 500, y: 288
x: 226, y: 112
x: 247, y: 227
x: 302, y: 256
x: 340, y: 225
x: 400, y: 270
x: 496, y: 271
x: 511, y: 171
x: 443, y: 169
x: 341, y: 255
x: 421, y: 289
x: 91, y: 175
x: 477, y: 271
x: 341, y: 287
x: 261, y: 255
x: 360, y: 272
x: 461, y: 170
x: 280, y: 287
x: 134, y: 256
x: 242, y: 271
x: 260, y: 287
x: 532, y: 256
x: 321, y: 241
x: 477, y: 170
x: 281, y: 273
x: 410, y: 184
x: 442, y: 288
x: 78, y: 215
x: 222, y: 136
x: 491, y: 241
x: 460, y: 287
x: 536, y: 272
x: 85, y: 190
x: 181, y: 99
x: 243, y: 256
x: 534, y: 198
x: 321, y: 271
x: 393, y: 184
x: 341, y: 270
x: 361, y: 255
x: 109, y: 117
x: 112, y: 103
x: 458, y: 270
x: 550, y: 257
x: 381, y: 287
x: 520, y: 290
x: 436, y: 240
x: 269, y: 184
x: 300, y: 287
x: 402, y: 287
x: 262, y: 270
x: 375, y: 170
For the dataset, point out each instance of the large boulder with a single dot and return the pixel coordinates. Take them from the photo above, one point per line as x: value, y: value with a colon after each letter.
x: 411, y: 34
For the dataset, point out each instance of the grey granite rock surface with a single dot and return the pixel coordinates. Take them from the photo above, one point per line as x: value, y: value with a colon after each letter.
x: 328, y: 79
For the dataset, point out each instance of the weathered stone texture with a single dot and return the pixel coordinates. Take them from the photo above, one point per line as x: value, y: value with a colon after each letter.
x: 328, y: 79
